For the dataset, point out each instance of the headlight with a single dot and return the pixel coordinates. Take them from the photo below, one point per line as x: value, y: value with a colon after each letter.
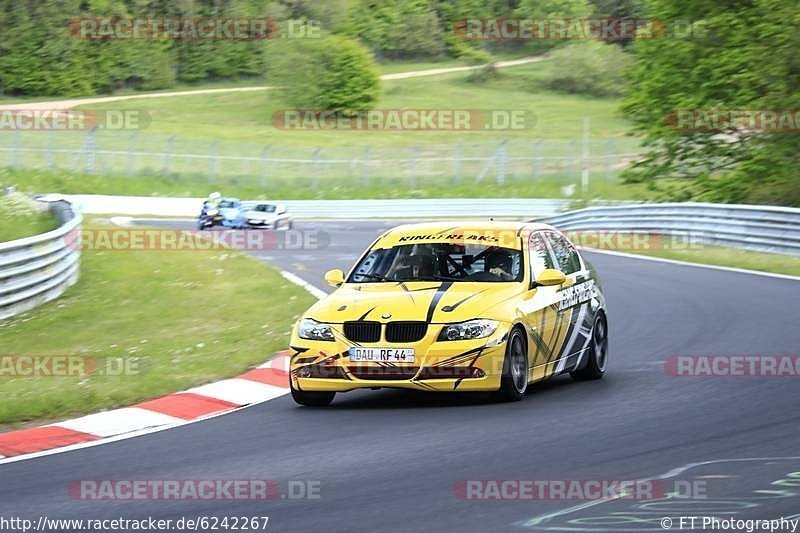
x: 212, y: 212
x: 314, y: 331
x: 472, y: 329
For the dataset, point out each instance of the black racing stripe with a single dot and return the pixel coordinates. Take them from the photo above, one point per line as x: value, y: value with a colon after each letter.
x: 362, y: 317
x: 436, y: 297
x: 449, y: 308
x: 298, y: 349
x: 452, y: 361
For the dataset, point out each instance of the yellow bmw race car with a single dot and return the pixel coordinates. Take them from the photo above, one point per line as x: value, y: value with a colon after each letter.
x: 454, y: 307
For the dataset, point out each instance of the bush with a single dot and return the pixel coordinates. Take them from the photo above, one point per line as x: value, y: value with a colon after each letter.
x: 474, y: 56
x: 330, y: 73
x: 590, y: 68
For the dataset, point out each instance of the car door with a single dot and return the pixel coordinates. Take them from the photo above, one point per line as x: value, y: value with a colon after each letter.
x: 574, y: 300
x: 542, y: 317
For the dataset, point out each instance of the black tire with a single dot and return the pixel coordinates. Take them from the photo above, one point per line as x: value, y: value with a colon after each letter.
x: 312, y: 398
x: 515, y: 368
x: 595, y: 367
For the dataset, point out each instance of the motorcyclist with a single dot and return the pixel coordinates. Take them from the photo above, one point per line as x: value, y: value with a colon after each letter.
x: 213, y: 201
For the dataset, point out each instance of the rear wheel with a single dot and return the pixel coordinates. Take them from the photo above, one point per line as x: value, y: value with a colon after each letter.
x: 598, y: 352
x: 515, y: 368
x: 312, y: 398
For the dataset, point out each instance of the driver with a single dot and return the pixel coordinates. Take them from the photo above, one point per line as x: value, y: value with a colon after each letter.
x: 499, y: 263
x: 416, y: 267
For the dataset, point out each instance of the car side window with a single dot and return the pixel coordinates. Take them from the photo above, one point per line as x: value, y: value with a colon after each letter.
x: 540, y: 258
x: 567, y: 256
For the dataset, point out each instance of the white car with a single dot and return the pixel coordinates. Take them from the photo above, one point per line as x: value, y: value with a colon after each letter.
x: 267, y: 216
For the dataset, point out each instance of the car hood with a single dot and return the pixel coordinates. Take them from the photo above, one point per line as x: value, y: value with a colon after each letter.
x: 434, y: 302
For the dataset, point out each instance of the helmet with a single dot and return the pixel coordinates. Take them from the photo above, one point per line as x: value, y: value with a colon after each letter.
x: 215, y: 196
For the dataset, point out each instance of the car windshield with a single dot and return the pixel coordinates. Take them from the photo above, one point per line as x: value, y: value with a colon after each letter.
x: 440, y: 261
x: 265, y: 208
x: 226, y: 204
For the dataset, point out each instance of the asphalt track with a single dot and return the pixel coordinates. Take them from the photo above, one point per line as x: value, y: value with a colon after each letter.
x: 388, y: 460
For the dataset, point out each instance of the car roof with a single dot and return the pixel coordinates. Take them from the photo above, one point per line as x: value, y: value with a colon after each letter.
x: 502, y: 232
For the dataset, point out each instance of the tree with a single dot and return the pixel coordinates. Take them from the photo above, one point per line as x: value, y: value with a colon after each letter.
x: 745, y: 58
x: 330, y: 73
x: 397, y: 29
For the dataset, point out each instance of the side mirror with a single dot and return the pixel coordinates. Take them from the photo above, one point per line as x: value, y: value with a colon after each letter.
x: 335, y: 277
x: 550, y: 276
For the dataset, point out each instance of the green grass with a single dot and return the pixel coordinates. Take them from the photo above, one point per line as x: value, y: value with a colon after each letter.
x: 247, y: 117
x: 193, y: 316
x: 19, y: 222
x: 730, y: 257
x: 251, y: 188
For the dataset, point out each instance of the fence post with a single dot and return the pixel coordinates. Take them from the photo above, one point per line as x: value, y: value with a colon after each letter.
x: 168, y: 153
x: 131, y: 142
x: 572, y: 164
x: 537, y: 159
x: 585, y: 156
x: 501, y: 162
x: 457, y: 164
x: 366, y: 167
x: 91, y: 151
x: 14, y: 154
x: 212, y: 162
x: 264, y: 165
x: 414, y: 157
x: 315, y: 169
x: 49, y: 148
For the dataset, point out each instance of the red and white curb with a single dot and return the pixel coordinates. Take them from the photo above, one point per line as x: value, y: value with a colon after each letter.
x: 268, y: 381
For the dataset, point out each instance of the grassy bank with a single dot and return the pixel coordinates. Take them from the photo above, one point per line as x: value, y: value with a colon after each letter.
x: 185, y: 317
x: 22, y: 218
x: 731, y: 257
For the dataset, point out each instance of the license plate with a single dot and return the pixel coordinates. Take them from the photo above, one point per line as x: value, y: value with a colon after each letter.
x: 382, y: 355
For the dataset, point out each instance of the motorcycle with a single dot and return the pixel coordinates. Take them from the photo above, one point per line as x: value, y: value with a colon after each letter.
x: 209, y: 217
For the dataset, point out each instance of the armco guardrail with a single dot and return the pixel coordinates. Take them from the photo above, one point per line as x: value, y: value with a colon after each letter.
x: 38, y: 269
x: 761, y: 228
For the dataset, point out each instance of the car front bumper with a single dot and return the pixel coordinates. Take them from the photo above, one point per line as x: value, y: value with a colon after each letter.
x: 445, y: 366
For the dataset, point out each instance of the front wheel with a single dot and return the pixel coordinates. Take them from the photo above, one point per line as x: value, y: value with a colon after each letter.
x: 515, y: 368
x: 312, y: 398
x: 598, y: 353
